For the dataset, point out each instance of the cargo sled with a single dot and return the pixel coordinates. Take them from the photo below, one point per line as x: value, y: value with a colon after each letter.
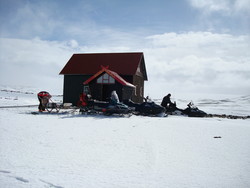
x: 47, y: 105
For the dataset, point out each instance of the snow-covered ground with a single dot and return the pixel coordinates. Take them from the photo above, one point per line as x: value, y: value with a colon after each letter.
x: 70, y: 150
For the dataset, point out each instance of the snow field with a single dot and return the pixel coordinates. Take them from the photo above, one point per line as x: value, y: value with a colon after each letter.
x: 72, y: 150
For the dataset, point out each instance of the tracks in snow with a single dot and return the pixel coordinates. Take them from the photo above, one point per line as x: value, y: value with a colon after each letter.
x: 9, y: 174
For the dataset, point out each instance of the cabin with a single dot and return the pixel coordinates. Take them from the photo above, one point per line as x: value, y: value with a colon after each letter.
x: 100, y: 73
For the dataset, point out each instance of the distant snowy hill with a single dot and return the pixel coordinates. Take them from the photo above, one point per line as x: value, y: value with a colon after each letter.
x: 69, y: 150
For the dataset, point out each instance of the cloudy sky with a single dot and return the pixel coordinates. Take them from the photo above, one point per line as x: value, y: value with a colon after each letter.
x: 198, y: 46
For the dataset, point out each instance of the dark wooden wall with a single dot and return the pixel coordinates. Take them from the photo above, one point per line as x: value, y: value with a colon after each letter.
x: 73, y: 86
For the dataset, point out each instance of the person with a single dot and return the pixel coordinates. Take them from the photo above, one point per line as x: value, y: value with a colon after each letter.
x: 43, y: 98
x: 114, y: 97
x: 83, y: 101
x: 190, y: 105
x: 166, y: 101
x: 168, y: 104
x: 146, y: 99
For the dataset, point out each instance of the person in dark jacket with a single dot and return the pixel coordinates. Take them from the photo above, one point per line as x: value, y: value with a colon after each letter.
x: 168, y: 104
x: 166, y: 101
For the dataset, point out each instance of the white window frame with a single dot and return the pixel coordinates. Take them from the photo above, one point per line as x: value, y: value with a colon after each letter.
x: 105, y: 79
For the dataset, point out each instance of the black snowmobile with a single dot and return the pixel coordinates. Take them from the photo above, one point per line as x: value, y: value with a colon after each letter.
x: 146, y: 108
x: 107, y: 108
x: 190, y: 111
x: 193, y: 111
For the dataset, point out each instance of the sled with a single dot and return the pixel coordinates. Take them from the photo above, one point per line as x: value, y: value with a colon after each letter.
x: 49, y: 113
x: 47, y: 105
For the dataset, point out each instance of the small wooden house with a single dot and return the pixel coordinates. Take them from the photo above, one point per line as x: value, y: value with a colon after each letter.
x: 101, y: 73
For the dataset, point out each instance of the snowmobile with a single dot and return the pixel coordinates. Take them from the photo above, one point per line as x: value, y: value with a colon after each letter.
x: 193, y: 111
x: 146, y: 108
x: 91, y: 106
x: 190, y: 111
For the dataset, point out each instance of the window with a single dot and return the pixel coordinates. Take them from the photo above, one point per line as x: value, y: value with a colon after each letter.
x: 86, y: 89
x: 105, y: 79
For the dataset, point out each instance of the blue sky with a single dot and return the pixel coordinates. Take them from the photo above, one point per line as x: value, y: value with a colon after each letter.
x: 62, y: 20
x: 192, y: 43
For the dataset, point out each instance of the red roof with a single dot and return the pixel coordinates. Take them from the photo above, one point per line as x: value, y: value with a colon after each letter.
x: 89, y: 64
x: 112, y: 74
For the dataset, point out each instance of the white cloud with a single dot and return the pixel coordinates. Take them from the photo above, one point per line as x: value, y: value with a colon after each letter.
x: 224, y: 16
x: 176, y: 62
x: 73, y: 44
x: 31, y: 18
x: 228, y: 6
x: 32, y: 62
x: 242, y: 5
x: 211, y: 5
x: 200, y: 61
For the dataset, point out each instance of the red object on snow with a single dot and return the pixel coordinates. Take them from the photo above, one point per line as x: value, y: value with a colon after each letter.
x: 44, y: 94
